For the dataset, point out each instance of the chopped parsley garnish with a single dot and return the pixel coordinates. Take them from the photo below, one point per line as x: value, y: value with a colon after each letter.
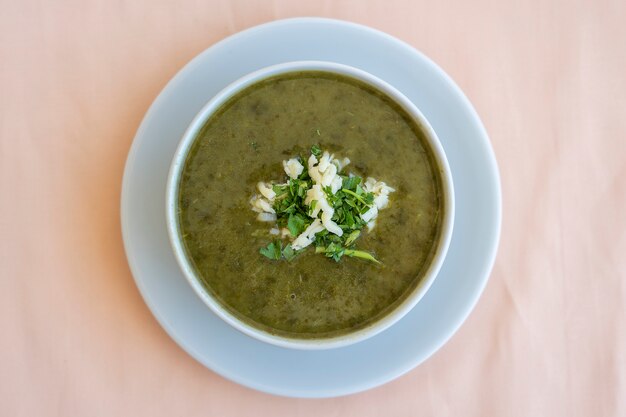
x: 307, y: 219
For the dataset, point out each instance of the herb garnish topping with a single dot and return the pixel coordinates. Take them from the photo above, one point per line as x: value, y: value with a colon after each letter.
x: 319, y: 205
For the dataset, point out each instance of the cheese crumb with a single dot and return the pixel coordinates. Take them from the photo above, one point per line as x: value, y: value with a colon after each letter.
x: 341, y: 164
x: 261, y: 205
x: 266, y: 191
x: 293, y: 168
x: 370, y: 214
x: 266, y: 217
x: 335, y: 185
x: 324, y: 162
x: 308, y: 236
x: 330, y: 225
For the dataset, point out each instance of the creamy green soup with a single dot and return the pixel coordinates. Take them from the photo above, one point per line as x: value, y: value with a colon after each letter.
x: 245, y: 142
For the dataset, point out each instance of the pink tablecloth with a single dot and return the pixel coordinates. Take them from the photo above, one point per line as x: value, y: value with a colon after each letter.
x: 548, y: 337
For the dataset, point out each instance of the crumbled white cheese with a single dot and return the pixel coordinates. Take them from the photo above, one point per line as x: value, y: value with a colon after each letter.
x: 381, y: 201
x: 293, y: 168
x: 330, y: 225
x: 266, y: 217
x: 377, y: 187
x: 324, y: 207
x: 341, y: 164
x: 368, y: 185
x: 329, y: 175
x: 317, y: 194
x: 324, y: 162
x: 326, y: 171
x: 315, y: 228
x: 301, y: 242
x: 315, y: 175
x: 336, y: 184
x: 261, y: 205
x: 274, y: 231
x: 324, y: 174
x: 314, y: 193
x: 266, y: 191
x: 308, y: 236
x: 370, y: 214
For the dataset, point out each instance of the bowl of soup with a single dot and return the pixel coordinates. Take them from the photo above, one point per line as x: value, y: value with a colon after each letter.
x: 310, y: 205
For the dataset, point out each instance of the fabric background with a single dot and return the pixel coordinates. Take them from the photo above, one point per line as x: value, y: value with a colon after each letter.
x: 548, y: 336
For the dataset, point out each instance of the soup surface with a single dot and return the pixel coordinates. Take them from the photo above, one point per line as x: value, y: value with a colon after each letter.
x: 245, y: 142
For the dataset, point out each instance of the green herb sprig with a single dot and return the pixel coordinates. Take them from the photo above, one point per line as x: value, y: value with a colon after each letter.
x: 349, y: 203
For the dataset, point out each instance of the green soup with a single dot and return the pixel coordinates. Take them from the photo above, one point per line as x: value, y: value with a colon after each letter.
x: 245, y: 142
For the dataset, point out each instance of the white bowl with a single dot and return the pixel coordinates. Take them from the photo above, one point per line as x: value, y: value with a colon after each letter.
x: 172, y: 206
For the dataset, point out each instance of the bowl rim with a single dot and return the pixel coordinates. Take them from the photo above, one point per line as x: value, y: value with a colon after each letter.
x: 177, y: 165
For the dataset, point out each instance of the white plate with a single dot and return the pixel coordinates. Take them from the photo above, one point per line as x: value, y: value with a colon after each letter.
x: 340, y: 371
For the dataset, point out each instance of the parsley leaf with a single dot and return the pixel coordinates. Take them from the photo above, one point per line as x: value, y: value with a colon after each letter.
x: 272, y: 251
x: 296, y: 224
x: 335, y: 251
x: 315, y: 150
x: 289, y: 253
x: 280, y: 190
x: 355, y: 195
x: 352, y: 237
x: 350, y: 183
x: 361, y: 254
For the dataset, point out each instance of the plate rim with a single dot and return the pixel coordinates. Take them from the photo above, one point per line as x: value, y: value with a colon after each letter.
x: 359, y: 386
